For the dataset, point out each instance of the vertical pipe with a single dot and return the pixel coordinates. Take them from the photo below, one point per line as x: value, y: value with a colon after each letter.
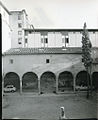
x: 21, y: 86
x: 39, y: 85
x: 56, y: 84
x: 74, y: 83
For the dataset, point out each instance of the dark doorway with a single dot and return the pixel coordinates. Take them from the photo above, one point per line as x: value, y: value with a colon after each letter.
x: 65, y: 81
x: 48, y: 82
x: 30, y: 82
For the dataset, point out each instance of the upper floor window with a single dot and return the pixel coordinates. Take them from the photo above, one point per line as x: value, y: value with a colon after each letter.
x: 26, y: 40
x: 26, y: 33
x: 19, y: 25
x: 47, y: 61
x: 11, y: 61
x: 65, y: 40
x: 19, y: 40
x: 19, y: 32
x: 44, y: 39
x: 19, y: 17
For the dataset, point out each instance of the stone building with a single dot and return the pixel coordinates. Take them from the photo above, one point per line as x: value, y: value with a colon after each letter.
x: 46, y: 60
x: 47, y: 70
x: 18, y: 20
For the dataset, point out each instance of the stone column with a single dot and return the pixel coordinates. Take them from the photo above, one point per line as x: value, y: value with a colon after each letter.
x: 74, y: 83
x: 56, y: 84
x: 39, y: 85
x: 21, y: 86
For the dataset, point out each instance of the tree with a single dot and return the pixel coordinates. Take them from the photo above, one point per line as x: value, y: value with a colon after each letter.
x: 86, y: 54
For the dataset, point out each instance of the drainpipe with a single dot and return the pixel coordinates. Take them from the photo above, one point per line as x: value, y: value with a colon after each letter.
x: 74, y: 84
x: 39, y: 86
x: 56, y: 84
x: 21, y: 86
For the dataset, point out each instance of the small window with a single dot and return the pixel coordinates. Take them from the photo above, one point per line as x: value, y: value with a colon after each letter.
x: 19, y: 40
x: 41, y: 40
x: 26, y: 33
x: 26, y: 40
x: 11, y: 61
x: 93, y: 32
x: 46, y: 40
x: 82, y: 60
x: 47, y: 61
x: 63, y: 40
x: 30, y: 32
x: 19, y: 25
x: 67, y: 40
x: 19, y: 32
x: 19, y: 17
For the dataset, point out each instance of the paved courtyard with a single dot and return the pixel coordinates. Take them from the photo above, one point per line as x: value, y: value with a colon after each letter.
x: 47, y: 106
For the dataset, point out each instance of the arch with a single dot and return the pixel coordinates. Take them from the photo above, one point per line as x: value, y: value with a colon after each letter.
x: 65, y: 81
x: 95, y: 80
x: 30, y: 82
x: 81, y: 78
x: 48, y: 82
x: 12, y: 78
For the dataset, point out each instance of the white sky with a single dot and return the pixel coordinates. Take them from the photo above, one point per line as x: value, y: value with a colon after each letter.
x: 58, y: 13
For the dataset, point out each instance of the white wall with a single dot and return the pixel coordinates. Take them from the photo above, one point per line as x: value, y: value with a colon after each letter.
x: 6, y: 30
x: 34, y: 40
x: 55, y: 39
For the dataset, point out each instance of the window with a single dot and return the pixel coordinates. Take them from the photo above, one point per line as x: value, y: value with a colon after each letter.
x: 26, y: 33
x: 19, y: 25
x: 47, y: 61
x: 19, y: 32
x: 30, y: 32
x: 19, y: 40
x: 11, y: 61
x: 26, y: 40
x: 46, y: 40
x: 67, y: 40
x: 41, y: 40
x: 19, y: 17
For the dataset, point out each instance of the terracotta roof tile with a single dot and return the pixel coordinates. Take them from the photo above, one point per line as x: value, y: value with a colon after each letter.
x: 25, y: 51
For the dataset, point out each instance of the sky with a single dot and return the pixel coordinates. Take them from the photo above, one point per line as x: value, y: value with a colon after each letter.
x: 58, y: 13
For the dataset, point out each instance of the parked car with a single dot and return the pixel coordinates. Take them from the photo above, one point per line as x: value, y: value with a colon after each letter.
x: 80, y: 88
x: 9, y: 88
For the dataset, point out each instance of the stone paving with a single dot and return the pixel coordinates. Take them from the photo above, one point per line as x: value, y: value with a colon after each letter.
x: 47, y: 106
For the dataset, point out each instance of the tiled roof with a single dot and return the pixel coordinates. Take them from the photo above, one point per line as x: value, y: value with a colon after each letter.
x: 30, y: 51
x: 58, y: 30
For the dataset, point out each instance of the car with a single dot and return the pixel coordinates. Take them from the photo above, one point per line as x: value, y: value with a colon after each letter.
x: 9, y: 88
x: 79, y: 88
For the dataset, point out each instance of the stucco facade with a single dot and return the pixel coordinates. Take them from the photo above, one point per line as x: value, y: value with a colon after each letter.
x: 6, y: 28
x: 37, y: 64
x: 57, y: 38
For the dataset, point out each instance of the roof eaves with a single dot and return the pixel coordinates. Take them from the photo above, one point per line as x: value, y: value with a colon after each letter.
x: 5, y: 8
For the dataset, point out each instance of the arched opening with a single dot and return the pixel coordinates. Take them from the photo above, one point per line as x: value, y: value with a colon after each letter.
x: 48, y: 82
x: 65, y: 81
x: 30, y: 82
x: 82, y: 79
x: 95, y: 80
x: 12, y: 78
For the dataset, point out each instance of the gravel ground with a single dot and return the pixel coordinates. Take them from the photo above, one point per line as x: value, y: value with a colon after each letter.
x: 47, y: 106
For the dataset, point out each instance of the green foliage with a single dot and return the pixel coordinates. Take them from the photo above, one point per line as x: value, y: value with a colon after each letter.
x: 86, y: 48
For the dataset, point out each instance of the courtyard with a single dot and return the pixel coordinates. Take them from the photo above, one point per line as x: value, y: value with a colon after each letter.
x: 47, y: 106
